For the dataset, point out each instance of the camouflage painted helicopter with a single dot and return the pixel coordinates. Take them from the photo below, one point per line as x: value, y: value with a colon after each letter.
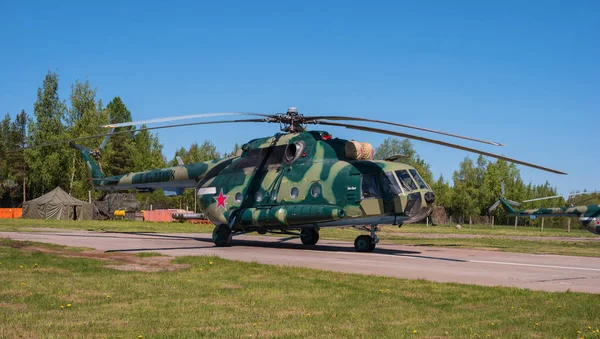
x: 297, y: 180
x: 589, y: 215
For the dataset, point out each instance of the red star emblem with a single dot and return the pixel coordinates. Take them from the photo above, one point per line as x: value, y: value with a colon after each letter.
x: 221, y: 200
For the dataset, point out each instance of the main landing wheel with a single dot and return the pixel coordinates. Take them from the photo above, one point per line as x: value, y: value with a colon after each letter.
x: 309, y: 236
x: 222, y: 235
x: 364, y: 243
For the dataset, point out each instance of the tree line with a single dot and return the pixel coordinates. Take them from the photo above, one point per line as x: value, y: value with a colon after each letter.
x: 24, y: 175
x: 475, y: 186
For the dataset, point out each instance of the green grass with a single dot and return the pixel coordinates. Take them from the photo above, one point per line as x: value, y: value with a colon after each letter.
x: 7, y: 225
x: 499, y: 230
x: 233, y: 299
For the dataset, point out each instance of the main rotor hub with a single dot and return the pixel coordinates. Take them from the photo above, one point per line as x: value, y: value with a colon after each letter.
x: 292, y: 121
x: 292, y: 111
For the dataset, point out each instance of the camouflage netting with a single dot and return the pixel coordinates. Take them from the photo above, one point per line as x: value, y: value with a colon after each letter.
x: 117, y: 201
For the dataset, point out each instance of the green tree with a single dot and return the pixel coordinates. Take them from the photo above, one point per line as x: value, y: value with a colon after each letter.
x: 393, y: 146
x: 464, y: 194
x: 48, y: 166
x: 443, y: 192
x: 119, y: 153
x: 85, y: 114
x: 18, y: 165
x: 148, y: 151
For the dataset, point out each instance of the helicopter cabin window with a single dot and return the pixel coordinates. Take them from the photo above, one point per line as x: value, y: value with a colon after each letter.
x: 370, y: 187
x: 315, y: 190
x: 418, y: 179
x: 259, y: 196
x: 238, y: 197
x: 294, y: 192
x: 406, y: 181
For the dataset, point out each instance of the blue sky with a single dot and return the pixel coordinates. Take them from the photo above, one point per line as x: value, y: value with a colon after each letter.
x: 525, y: 73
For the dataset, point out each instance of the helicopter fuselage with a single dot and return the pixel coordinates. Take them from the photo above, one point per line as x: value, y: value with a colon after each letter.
x: 292, y: 181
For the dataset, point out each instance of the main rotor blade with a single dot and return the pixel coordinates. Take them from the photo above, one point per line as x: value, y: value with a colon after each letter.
x: 181, y: 117
x: 141, y: 129
x: 544, y: 198
x: 407, y: 126
x: 438, y: 142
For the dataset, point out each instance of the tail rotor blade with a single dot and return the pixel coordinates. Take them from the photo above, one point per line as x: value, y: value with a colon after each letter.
x: 514, y: 203
x: 493, y: 207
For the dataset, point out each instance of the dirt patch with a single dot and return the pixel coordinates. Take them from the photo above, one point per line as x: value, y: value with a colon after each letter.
x: 12, y: 306
x: 118, y: 261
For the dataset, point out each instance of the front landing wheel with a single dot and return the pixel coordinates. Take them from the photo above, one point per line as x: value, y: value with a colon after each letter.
x: 222, y: 235
x: 364, y: 243
x: 309, y: 236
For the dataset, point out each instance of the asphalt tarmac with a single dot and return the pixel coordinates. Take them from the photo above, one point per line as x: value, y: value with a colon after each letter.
x: 490, y: 268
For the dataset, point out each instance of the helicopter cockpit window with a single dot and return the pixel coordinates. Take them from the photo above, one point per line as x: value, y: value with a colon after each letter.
x: 418, y: 179
x: 370, y: 186
x: 392, y: 184
x: 293, y: 151
x: 405, y: 180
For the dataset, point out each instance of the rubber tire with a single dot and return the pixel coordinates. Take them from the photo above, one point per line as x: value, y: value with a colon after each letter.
x: 222, y: 236
x: 309, y: 236
x: 364, y: 243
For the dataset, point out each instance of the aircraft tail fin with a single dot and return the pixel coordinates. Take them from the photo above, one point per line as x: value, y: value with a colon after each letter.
x: 507, y: 205
x: 94, y: 170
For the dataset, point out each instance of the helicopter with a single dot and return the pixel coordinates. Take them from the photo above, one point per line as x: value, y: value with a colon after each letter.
x: 589, y: 215
x: 294, y: 182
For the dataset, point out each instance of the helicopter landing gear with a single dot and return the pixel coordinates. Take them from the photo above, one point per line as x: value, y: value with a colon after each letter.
x: 366, y: 243
x: 309, y: 236
x: 222, y: 235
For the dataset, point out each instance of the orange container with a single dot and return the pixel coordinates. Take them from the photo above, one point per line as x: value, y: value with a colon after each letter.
x: 10, y: 213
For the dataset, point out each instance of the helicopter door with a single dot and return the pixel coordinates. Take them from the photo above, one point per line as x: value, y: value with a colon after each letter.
x: 380, y: 194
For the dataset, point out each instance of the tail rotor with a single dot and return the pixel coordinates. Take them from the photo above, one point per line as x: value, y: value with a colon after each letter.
x: 501, y: 199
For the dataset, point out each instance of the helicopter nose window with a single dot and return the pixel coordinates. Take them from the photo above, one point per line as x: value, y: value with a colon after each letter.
x: 406, y: 181
x: 418, y: 179
x: 293, y: 151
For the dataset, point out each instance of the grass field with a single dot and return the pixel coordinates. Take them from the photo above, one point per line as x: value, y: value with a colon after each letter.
x: 501, y: 238
x: 57, y: 295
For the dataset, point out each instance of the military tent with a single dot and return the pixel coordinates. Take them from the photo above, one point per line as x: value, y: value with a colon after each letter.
x: 57, y: 204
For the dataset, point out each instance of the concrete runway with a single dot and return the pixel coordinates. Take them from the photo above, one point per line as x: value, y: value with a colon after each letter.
x: 538, y: 272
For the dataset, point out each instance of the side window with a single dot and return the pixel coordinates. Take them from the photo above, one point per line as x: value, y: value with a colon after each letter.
x: 392, y: 183
x: 405, y: 180
x: 370, y: 187
x: 418, y: 179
